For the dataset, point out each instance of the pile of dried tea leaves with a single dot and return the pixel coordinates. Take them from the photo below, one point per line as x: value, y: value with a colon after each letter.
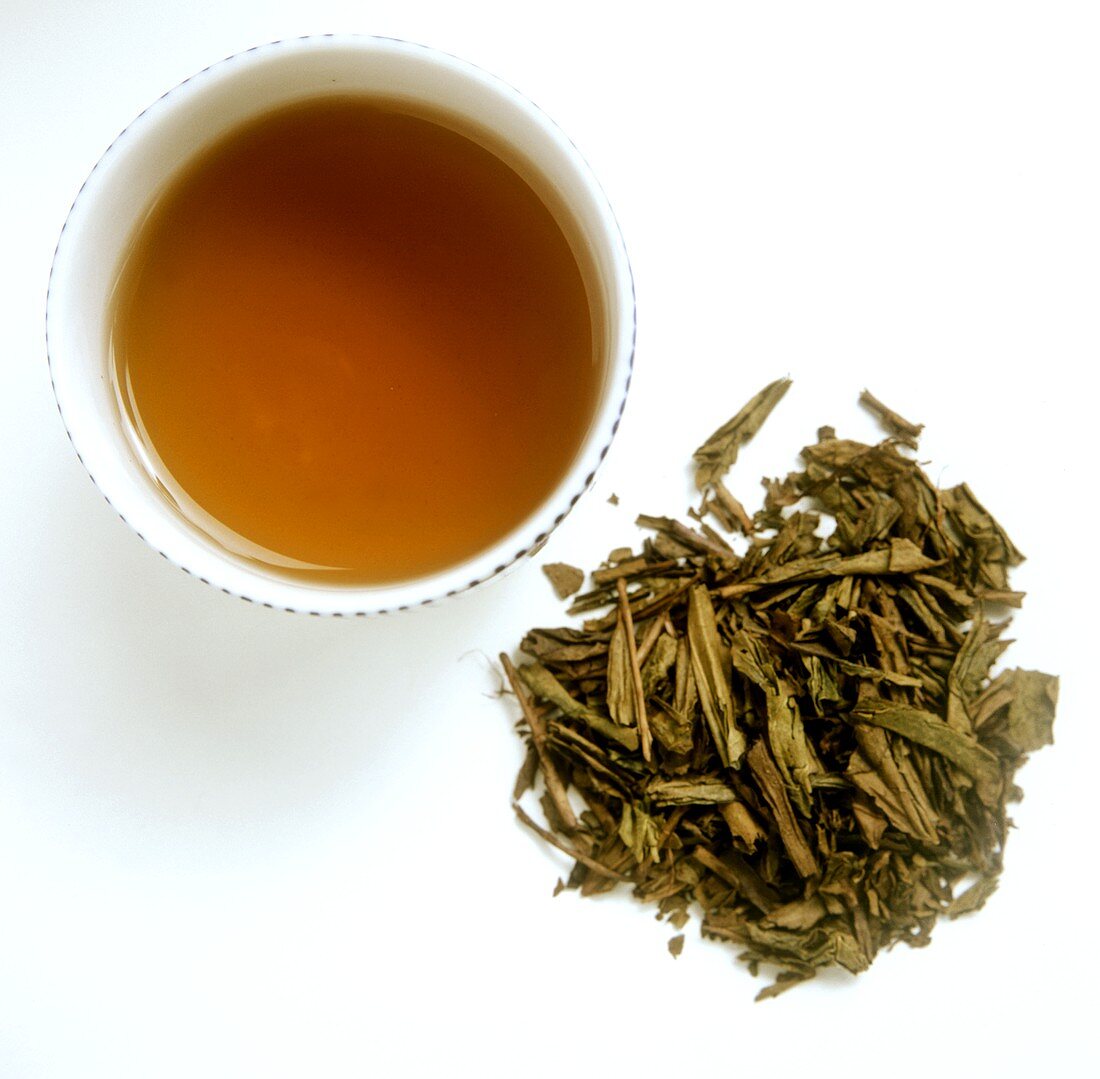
x: 803, y: 741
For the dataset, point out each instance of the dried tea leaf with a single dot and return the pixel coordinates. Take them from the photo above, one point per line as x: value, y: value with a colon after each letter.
x: 787, y: 979
x: 528, y: 772
x: 566, y: 579
x: 742, y: 825
x: 902, y: 556
x: 1030, y: 722
x: 786, y: 734
x: 774, y: 793
x: 973, y: 898
x: 872, y: 824
x: 693, y: 791
x: 710, y: 664
x: 679, y: 918
x: 620, y: 683
x: 727, y: 510
x: 716, y: 456
x: 547, y: 688
x: 736, y: 872
x: 555, y: 788
x: 798, y: 914
x: 985, y: 549
x: 934, y: 733
x: 658, y: 663
x: 979, y: 651
x: 687, y: 539
x: 676, y: 945
x: 901, y: 428
x: 639, y: 833
x: 887, y: 781
x: 672, y: 729
x: 579, y: 856
x: 634, y: 671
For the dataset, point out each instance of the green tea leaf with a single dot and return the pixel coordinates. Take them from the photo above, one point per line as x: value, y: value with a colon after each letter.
x: 710, y: 664
x: 899, y: 427
x: 932, y: 732
x: 973, y: 898
x: 1030, y: 724
x: 547, y: 688
x: 775, y: 794
x: 716, y: 456
x: 902, y: 556
x: 693, y: 791
x: 620, y: 687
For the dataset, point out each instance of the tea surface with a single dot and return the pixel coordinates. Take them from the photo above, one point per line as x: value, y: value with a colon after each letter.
x: 354, y: 344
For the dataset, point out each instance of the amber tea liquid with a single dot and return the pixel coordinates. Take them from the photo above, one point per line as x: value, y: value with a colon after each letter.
x: 354, y: 344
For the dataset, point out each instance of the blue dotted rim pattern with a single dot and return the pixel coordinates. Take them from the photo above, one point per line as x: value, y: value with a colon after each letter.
x: 523, y: 552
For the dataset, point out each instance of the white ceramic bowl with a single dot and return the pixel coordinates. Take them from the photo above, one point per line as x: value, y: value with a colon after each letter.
x: 116, y: 196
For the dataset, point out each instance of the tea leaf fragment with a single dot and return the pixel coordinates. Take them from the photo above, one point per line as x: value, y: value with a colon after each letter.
x: 691, y: 791
x: 974, y: 897
x: 565, y: 579
x: 1029, y: 724
x: 897, y: 425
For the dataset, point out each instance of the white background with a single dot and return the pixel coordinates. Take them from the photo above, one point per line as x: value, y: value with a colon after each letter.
x: 239, y: 843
